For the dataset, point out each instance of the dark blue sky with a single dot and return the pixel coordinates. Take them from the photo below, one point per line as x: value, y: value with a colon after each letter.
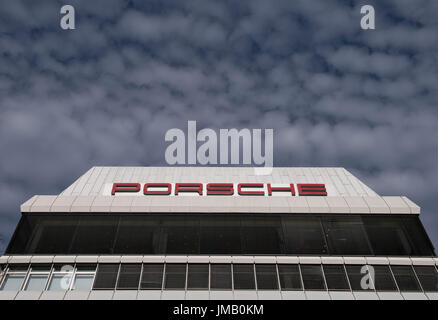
x: 105, y: 93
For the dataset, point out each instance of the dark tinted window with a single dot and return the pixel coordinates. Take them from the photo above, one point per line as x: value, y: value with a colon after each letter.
x: 129, y: 276
x: 383, y: 279
x: 356, y: 278
x: 106, y: 276
x: 95, y: 235
x: 220, y: 277
x: 428, y: 277
x: 266, y: 275
x: 254, y: 243
x: 175, y: 276
x: 197, y: 277
x: 312, y: 277
x: 219, y: 234
x: 136, y: 235
x: 335, y: 277
x: 243, y: 276
x: 152, y: 277
x: 405, y: 278
x: 387, y: 236
x: 290, y: 278
x: 181, y: 234
x: 304, y: 235
x: 346, y: 236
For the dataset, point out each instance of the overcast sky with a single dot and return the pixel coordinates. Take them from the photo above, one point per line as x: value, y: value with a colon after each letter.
x: 106, y: 93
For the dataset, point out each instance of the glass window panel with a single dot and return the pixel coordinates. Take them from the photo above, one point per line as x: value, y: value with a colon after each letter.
x: 175, y: 276
x: 40, y: 267
x: 266, y: 275
x: 290, y: 278
x: 387, y: 236
x: 106, y: 276
x: 18, y: 267
x: 36, y: 282
x: 243, y: 276
x: 313, y: 278
x: 428, y: 277
x: 336, y: 277
x: 405, y: 278
x: 83, y: 282
x: 261, y: 235
x: 95, y: 234
x: 129, y: 276
x: 13, y: 282
x: 136, y: 235
x: 85, y: 267
x: 221, y: 277
x: 197, y: 277
x: 346, y: 236
x: 182, y: 235
x: 383, y: 279
x: 304, y: 235
x: 355, y: 277
x: 220, y: 235
x: 152, y: 277
x: 421, y: 245
x: 60, y: 282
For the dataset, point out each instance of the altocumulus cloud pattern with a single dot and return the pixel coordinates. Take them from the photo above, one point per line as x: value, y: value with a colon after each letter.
x: 105, y: 93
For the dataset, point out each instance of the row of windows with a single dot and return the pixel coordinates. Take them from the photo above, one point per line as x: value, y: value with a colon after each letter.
x: 177, y: 276
x: 231, y: 234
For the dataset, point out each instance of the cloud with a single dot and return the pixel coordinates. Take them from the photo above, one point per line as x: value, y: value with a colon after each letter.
x: 105, y: 93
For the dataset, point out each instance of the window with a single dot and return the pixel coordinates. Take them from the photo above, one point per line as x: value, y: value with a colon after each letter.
x: 136, y: 235
x: 251, y: 230
x: 383, y: 280
x: 304, y: 235
x: 198, y: 276
x: 428, y: 277
x: 405, y: 278
x: 266, y: 275
x: 84, y: 277
x: 61, y: 278
x: 387, y: 236
x: 152, y: 277
x: 290, y: 278
x: 346, y: 236
x: 243, y: 275
x: 106, y: 276
x: 335, y: 277
x: 38, y: 277
x: 235, y: 234
x: 95, y: 234
x: 221, y: 277
x: 129, y: 277
x: 13, y: 280
x: 313, y: 278
x: 220, y: 235
x: 175, y: 276
x: 355, y: 275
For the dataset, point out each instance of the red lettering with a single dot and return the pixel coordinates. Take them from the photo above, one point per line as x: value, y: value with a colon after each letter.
x: 188, y: 187
x: 290, y: 189
x: 250, y: 193
x: 312, y: 190
x: 221, y: 189
x: 125, y: 187
x: 146, y: 190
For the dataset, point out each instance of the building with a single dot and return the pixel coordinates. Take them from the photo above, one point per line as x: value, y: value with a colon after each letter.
x: 219, y: 233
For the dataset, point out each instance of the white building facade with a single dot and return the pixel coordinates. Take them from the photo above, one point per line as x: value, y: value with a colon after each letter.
x: 227, y: 233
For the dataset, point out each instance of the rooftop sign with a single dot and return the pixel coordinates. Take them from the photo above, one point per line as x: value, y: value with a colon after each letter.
x: 220, y: 189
